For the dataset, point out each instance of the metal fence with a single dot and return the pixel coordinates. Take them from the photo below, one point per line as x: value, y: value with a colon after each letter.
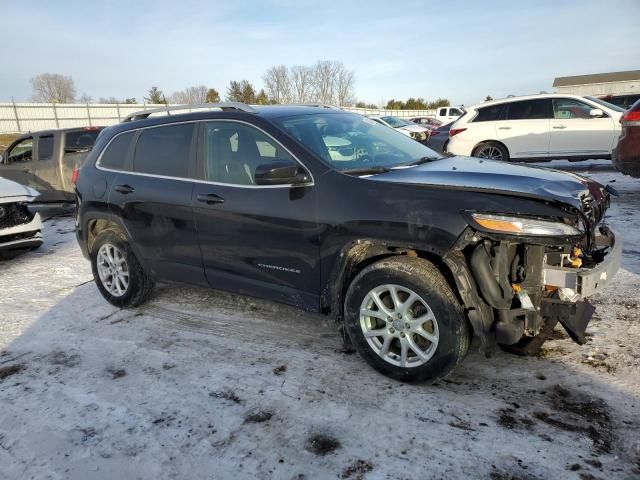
x: 28, y: 117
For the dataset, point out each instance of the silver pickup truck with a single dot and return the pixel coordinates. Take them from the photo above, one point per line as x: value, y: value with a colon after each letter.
x: 46, y: 160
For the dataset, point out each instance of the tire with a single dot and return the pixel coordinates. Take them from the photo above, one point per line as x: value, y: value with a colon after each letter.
x: 492, y: 151
x: 138, y: 286
x: 434, y: 301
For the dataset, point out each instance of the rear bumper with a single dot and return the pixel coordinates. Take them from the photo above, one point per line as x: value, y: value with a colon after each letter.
x: 587, y: 281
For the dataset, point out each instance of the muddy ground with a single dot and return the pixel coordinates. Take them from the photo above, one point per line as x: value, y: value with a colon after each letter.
x: 201, y: 384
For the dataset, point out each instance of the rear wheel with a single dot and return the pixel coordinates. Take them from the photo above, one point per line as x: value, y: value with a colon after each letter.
x: 492, y: 151
x: 117, y: 272
x: 405, y: 321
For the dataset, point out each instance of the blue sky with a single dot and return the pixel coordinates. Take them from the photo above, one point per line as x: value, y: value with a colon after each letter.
x: 461, y: 50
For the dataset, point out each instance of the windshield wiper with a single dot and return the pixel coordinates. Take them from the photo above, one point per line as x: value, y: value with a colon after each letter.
x: 420, y: 161
x: 366, y: 170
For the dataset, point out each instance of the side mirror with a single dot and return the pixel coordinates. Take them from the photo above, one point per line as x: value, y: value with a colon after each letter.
x: 596, y: 112
x: 282, y: 172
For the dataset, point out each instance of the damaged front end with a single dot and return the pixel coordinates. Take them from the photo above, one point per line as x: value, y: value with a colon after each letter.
x: 518, y: 276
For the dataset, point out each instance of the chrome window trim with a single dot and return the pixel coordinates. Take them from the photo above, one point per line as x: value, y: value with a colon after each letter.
x: 196, y: 180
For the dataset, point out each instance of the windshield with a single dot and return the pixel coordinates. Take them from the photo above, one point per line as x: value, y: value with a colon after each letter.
x: 610, y: 106
x: 395, y: 122
x: 347, y: 141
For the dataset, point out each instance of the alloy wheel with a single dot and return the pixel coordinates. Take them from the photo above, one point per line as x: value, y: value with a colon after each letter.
x: 113, y: 269
x: 490, y: 152
x: 399, y: 326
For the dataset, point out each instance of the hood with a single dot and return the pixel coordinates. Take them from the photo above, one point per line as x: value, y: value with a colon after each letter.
x: 466, y: 173
x: 12, y: 192
x: 413, y: 128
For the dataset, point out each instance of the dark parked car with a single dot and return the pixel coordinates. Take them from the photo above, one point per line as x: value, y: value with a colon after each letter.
x: 46, y: 160
x: 624, y: 100
x: 410, y: 252
x: 626, y: 155
x: 439, y: 138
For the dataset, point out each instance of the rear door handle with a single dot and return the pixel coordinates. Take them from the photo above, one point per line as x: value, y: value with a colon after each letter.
x: 124, y: 189
x: 559, y: 127
x: 210, y: 198
x: 504, y: 128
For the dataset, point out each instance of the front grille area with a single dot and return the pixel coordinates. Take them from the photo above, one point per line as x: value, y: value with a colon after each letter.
x: 12, y: 214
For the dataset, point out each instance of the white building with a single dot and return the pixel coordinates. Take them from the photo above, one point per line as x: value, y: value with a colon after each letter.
x: 614, y: 83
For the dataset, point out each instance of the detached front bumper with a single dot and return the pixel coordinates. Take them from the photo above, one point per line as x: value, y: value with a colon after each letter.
x: 586, y: 281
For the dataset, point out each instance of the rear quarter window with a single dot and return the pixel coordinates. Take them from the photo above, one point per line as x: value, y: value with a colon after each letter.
x: 115, y: 155
x: 489, y: 114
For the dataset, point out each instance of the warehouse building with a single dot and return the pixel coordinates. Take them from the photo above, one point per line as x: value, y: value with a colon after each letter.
x: 614, y: 83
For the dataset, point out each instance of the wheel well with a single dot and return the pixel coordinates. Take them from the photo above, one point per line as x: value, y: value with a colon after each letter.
x: 490, y: 141
x: 98, y: 225
x: 361, y: 258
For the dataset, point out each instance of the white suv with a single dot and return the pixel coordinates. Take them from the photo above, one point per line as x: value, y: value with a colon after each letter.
x: 538, y: 127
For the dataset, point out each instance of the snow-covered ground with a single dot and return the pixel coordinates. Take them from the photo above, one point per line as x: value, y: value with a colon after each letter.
x: 200, y: 384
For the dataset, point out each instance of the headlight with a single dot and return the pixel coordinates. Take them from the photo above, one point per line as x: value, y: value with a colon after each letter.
x: 524, y: 226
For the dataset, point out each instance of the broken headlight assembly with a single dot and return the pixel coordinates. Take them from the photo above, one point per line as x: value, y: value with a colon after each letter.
x: 514, y: 225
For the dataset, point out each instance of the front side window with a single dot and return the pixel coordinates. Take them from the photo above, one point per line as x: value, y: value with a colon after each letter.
x: 164, y: 150
x: 455, y: 112
x: 115, y: 156
x: 348, y: 141
x: 22, y: 152
x: 529, y: 109
x: 45, y: 147
x: 568, y: 108
x: 233, y: 151
x: 616, y: 108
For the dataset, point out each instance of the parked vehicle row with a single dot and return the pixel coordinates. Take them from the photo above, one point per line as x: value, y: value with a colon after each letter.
x: 412, y: 253
x: 538, y: 127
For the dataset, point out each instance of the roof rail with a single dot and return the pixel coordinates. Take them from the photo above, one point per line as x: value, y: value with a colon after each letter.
x: 319, y: 105
x: 142, y: 114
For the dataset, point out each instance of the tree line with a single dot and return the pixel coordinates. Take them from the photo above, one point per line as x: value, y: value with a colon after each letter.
x: 326, y: 82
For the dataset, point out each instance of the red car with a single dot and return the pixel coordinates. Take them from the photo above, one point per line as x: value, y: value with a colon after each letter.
x: 626, y: 156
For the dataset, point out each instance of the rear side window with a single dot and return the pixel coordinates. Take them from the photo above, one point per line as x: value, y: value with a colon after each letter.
x: 115, y: 156
x: 443, y: 112
x: 530, y: 110
x: 45, y: 147
x: 81, y: 140
x: 490, y: 114
x: 164, y: 150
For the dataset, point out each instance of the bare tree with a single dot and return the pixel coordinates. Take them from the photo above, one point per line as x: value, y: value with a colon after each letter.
x: 190, y: 95
x: 302, y: 83
x: 324, y: 81
x: 85, y: 98
x: 109, y: 100
x: 278, y: 84
x: 53, y: 88
x: 344, y: 83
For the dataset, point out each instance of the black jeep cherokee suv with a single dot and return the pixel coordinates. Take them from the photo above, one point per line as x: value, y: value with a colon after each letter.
x: 331, y: 212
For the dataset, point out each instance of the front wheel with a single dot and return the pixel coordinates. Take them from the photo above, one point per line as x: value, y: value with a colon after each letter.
x: 403, y: 318
x: 117, y: 272
x: 492, y: 151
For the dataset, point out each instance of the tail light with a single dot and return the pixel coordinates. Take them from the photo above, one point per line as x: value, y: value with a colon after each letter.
x: 75, y: 175
x: 455, y: 131
x: 632, y: 116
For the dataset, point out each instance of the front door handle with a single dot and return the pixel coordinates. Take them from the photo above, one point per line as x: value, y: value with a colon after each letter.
x: 504, y: 128
x: 124, y: 189
x: 210, y: 198
x: 559, y: 127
